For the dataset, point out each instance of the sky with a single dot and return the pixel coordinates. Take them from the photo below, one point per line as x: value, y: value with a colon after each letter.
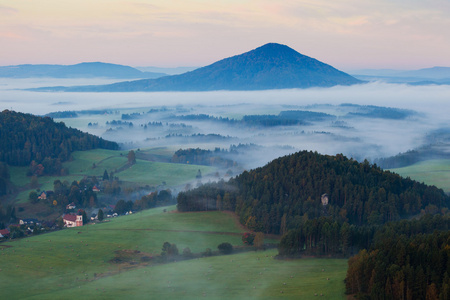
x: 347, y: 34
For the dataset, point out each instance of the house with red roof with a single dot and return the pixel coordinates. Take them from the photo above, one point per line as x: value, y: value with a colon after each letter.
x: 43, y: 196
x: 4, y: 233
x: 71, y: 220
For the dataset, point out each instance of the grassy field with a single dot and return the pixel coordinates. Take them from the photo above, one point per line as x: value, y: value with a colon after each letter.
x: 433, y: 172
x: 142, y: 173
x: 65, y: 263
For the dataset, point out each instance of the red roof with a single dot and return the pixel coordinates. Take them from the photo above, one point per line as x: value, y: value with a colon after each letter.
x: 70, y: 217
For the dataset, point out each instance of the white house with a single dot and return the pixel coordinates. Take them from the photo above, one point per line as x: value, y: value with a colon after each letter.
x: 71, y: 220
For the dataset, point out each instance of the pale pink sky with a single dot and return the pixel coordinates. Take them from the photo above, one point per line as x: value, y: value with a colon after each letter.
x: 348, y: 34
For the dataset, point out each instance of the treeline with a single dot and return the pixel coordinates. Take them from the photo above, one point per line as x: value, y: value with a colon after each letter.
x: 288, y: 191
x: 284, y: 118
x: 154, y: 199
x: 202, y: 157
x: 26, y: 138
x: 371, y: 111
x: 410, y: 157
x: 408, y: 260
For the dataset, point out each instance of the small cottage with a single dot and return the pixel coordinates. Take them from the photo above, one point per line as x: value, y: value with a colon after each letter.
x: 43, y: 196
x: 4, y: 233
x: 71, y: 206
x: 71, y: 220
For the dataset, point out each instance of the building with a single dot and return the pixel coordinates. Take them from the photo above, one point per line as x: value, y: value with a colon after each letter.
x: 4, y: 233
x: 71, y: 206
x: 43, y: 196
x: 29, y: 222
x: 71, y: 220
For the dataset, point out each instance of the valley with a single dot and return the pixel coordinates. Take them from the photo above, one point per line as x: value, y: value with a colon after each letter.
x: 178, y: 175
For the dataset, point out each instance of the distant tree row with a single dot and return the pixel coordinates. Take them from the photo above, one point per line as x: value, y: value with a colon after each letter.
x: 27, y: 138
x: 202, y: 157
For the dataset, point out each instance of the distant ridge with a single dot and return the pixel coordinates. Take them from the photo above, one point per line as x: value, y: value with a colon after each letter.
x: 271, y: 66
x: 81, y: 70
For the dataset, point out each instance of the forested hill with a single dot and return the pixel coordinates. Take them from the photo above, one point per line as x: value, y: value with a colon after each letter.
x: 287, y: 192
x: 25, y: 138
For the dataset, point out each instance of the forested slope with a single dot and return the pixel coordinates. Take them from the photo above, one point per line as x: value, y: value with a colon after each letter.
x: 25, y: 138
x: 287, y: 192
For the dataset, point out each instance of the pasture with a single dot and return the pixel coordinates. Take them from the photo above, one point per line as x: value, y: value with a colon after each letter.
x: 63, y: 263
x: 433, y: 172
x: 95, y: 162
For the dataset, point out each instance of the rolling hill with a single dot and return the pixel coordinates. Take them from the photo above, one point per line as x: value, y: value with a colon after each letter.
x: 271, y: 66
x: 82, y: 70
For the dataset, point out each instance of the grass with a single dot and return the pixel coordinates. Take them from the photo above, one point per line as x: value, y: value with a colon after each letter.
x: 251, y: 275
x: 434, y: 172
x: 153, y: 173
x: 142, y: 173
x: 61, y: 264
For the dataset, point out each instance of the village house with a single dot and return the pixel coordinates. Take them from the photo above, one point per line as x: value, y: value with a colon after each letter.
x: 71, y: 206
x: 43, y: 196
x: 29, y: 222
x: 95, y: 189
x: 4, y: 233
x: 71, y: 220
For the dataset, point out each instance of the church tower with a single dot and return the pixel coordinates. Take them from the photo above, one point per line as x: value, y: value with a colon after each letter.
x: 79, y: 221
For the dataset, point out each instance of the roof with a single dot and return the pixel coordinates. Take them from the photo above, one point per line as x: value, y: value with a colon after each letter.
x: 30, y: 220
x: 4, y: 232
x: 70, y: 217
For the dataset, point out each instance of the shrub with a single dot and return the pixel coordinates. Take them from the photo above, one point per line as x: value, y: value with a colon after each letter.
x: 225, y: 248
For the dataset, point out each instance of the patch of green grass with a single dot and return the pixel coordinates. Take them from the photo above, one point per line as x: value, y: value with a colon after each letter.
x: 18, y: 176
x: 433, y: 172
x: 153, y: 173
x: 251, y: 275
x: 58, y: 264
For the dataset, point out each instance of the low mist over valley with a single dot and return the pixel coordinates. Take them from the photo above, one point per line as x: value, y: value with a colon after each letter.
x: 369, y: 121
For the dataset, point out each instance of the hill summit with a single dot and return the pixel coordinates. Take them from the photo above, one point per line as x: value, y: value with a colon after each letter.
x: 271, y: 66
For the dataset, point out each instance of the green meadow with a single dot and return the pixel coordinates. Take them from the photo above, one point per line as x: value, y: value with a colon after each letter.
x: 81, y: 261
x: 434, y: 172
x: 95, y: 162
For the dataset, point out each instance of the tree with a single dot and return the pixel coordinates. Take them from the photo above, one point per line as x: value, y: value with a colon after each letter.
x: 225, y: 248
x: 258, y: 242
x: 247, y: 238
x: 105, y: 175
x: 169, y: 250
x: 33, y: 197
x: 121, y: 207
x: 100, y: 215
x: 131, y: 157
x: 187, y: 252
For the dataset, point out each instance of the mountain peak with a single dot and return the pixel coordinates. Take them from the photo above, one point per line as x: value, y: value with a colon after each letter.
x: 271, y: 66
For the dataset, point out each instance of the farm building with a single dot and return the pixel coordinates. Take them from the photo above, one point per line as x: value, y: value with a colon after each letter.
x: 71, y: 220
x: 4, y: 233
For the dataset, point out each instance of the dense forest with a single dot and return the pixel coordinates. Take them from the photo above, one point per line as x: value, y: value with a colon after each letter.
x: 42, y: 143
x: 408, y: 260
x: 287, y: 192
